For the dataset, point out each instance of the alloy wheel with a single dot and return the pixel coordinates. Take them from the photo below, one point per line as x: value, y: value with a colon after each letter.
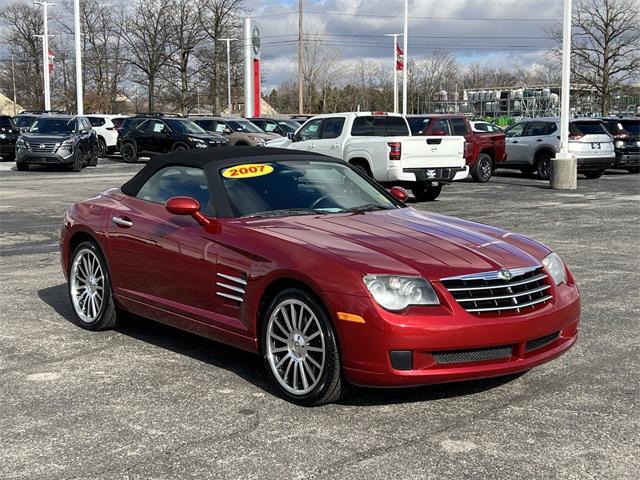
x: 87, y: 282
x: 296, y: 349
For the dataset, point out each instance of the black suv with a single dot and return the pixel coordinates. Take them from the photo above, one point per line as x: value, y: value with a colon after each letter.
x: 9, y: 133
x: 58, y: 140
x: 626, y: 142
x: 152, y: 134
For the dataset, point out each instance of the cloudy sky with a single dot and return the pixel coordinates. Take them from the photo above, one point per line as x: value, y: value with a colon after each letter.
x: 496, y: 32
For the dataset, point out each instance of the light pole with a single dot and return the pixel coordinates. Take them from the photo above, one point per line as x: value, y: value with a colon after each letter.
x: 76, y: 23
x: 13, y: 79
x: 45, y: 54
x: 406, y: 58
x: 395, y: 36
x: 300, y: 58
x: 564, y: 169
x: 228, y: 40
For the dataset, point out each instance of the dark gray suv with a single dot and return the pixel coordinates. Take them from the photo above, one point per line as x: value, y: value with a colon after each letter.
x: 58, y: 140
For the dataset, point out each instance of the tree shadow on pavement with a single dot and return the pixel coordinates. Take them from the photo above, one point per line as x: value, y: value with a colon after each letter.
x: 249, y: 366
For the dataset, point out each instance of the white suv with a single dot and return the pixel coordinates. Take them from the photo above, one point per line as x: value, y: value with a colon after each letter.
x: 107, y: 131
x: 532, y: 143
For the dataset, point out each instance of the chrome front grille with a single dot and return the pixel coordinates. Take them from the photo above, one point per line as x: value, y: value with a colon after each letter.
x: 231, y: 287
x: 519, y: 289
x: 44, y: 147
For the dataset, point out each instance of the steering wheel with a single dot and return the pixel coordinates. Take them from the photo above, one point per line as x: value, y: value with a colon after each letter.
x: 315, y: 204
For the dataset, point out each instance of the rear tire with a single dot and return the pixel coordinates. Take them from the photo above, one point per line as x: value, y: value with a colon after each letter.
x: 129, y: 153
x: 93, y: 161
x: 300, y: 350
x: 543, y: 166
x: 102, y: 147
x: 426, y: 193
x: 593, y: 174
x: 482, y: 169
x: 89, y: 288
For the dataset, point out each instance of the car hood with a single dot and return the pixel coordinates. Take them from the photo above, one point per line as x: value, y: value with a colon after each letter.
x: 45, y: 138
x: 406, y: 241
x: 265, y: 136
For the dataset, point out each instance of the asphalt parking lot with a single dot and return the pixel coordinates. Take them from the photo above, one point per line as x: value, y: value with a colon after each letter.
x: 151, y: 402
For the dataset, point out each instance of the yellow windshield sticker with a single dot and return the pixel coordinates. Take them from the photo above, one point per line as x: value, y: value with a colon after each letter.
x: 247, y: 171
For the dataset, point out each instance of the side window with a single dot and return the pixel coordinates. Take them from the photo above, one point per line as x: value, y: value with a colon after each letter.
x: 535, y: 129
x: 551, y: 128
x: 5, y: 122
x: 159, y: 127
x: 269, y: 126
x: 515, y: 130
x: 86, y: 124
x: 178, y: 181
x: 363, y: 127
x: 311, y: 130
x: 458, y: 126
x: 96, y: 121
x: 483, y: 127
x: 332, y: 127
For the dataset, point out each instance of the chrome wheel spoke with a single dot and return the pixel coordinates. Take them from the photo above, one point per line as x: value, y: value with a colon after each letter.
x: 87, y: 285
x: 296, y: 364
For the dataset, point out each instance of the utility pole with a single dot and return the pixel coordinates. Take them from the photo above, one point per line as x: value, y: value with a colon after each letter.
x: 45, y: 54
x: 76, y: 22
x: 395, y: 36
x: 405, y: 95
x: 13, y: 78
x: 300, y: 58
x: 228, y: 40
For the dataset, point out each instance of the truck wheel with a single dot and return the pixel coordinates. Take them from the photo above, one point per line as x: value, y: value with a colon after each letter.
x: 543, y: 165
x: 593, y: 174
x: 426, y: 193
x: 483, y: 168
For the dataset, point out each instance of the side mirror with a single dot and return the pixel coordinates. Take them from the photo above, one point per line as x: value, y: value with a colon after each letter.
x: 399, y: 194
x: 290, y: 135
x: 187, y: 206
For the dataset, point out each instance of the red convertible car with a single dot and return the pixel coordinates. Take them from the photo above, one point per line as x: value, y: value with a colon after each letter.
x: 332, y: 279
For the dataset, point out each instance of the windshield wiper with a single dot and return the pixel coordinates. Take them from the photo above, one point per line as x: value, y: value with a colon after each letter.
x: 283, y: 212
x: 367, y: 207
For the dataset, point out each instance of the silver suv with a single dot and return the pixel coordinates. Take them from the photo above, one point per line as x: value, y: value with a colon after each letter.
x: 532, y: 143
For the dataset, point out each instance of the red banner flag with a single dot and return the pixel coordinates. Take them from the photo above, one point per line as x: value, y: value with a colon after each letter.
x: 400, y: 61
x: 50, y: 57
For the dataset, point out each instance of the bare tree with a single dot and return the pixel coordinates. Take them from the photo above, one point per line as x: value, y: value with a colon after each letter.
x: 321, y: 72
x: 219, y: 19
x: 21, y: 23
x: 605, y: 45
x: 148, y: 35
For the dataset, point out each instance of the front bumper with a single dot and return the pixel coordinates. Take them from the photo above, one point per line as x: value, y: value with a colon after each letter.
x: 32, y: 158
x: 594, y: 163
x: 431, y: 333
x: 627, y: 158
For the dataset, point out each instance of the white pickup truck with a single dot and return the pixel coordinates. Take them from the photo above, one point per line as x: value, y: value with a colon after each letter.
x: 380, y: 145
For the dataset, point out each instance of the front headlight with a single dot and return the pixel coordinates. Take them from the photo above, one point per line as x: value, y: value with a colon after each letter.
x: 619, y: 144
x: 258, y: 139
x: 20, y: 142
x: 3, y: 136
x: 198, y: 143
x: 396, y: 293
x: 555, y: 266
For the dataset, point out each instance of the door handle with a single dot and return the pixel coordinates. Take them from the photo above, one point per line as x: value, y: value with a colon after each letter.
x: 122, y: 222
x: 539, y: 140
x: 514, y: 141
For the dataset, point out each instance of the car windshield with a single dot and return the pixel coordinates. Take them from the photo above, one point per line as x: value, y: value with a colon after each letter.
x: 54, y: 126
x: 244, y: 126
x: 587, y: 128
x: 289, y: 125
x: 300, y: 188
x: 184, y: 126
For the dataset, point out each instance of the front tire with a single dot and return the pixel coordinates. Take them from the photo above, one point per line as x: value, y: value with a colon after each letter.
x: 426, y: 193
x: 93, y: 160
x: 102, y: 147
x: 78, y: 162
x: 483, y: 168
x: 300, y: 350
x: 89, y: 287
x: 22, y: 166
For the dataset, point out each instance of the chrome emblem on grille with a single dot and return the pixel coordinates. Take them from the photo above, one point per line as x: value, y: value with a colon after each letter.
x: 42, y: 145
x: 505, y: 275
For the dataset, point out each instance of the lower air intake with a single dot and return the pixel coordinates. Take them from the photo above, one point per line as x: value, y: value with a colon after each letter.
x: 541, y: 342
x: 478, y: 355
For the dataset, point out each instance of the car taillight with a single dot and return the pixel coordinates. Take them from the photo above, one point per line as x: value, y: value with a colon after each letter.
x: 396, y: 150
x: 576, y: 136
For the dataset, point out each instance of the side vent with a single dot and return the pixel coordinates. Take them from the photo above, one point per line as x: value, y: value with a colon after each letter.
x: 231, y: 287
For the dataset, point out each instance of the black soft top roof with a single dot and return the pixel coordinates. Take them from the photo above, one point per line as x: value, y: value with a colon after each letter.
x: 217, y: 158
